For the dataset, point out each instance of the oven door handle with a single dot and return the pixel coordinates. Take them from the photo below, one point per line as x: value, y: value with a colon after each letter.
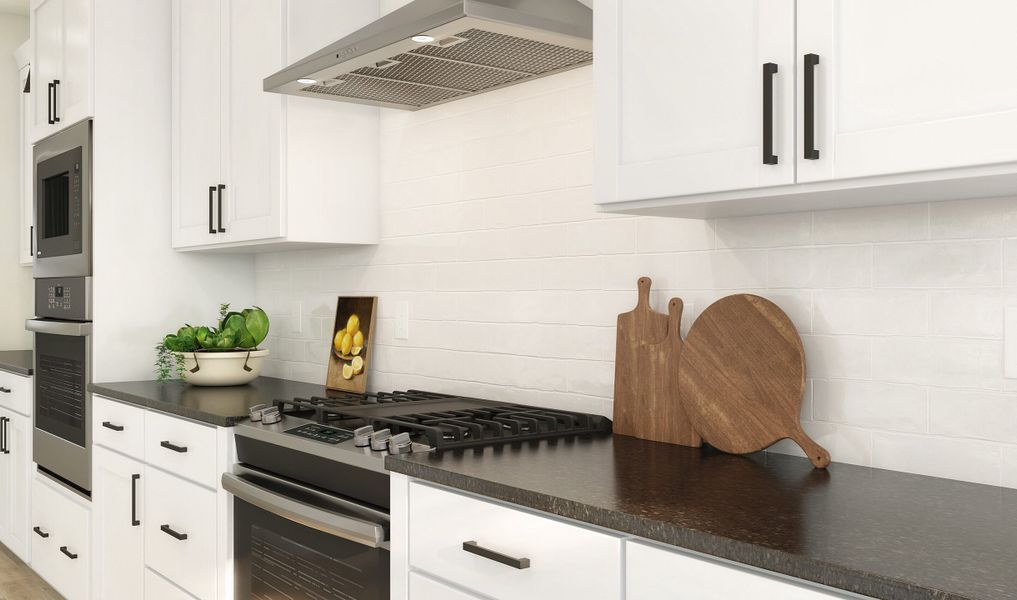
x: 70, y: 328
x: 349, y: 528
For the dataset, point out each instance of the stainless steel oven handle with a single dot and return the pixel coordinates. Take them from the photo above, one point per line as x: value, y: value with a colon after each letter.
x: 70, y: 328
x: 349, y: 528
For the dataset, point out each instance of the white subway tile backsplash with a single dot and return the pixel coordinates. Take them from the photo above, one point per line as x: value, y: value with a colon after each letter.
x: 514, y: 282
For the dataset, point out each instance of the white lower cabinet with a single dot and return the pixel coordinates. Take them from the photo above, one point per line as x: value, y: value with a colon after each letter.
x: 158, y: 588
x: 509, y: 554
x: 15, y: 478
x: 60, y: 539
x: 425, y: 588
x: 652, y: 573
x: 118, y: 515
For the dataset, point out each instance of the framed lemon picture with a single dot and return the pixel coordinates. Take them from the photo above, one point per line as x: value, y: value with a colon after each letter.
x: 350, y: 350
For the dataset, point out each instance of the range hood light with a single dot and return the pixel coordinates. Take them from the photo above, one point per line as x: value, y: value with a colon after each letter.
x: 307, y: 81
x: 422, y: 39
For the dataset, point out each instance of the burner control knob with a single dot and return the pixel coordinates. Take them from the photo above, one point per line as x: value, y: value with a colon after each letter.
x: 379, y: 440
x: 362, y: 436
x: 256, y: 411
x: 271, y: 416
x: 400, y: 444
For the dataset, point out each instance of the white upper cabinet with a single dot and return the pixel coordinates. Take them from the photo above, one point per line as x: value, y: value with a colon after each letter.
x: 26, y: 251
x: 909, y: 85
x: 262, y: 170
x: 680, y: 86
x: 61, y: 33
x: 735, y: 107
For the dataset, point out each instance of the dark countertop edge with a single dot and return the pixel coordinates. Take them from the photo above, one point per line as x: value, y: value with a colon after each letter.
x: 745, y: 553
x: 165, y: 407
x: 18, y: 368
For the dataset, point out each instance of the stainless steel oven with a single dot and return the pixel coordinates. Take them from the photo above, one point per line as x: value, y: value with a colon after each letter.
x: 63, y: 203
x: 62, y: 435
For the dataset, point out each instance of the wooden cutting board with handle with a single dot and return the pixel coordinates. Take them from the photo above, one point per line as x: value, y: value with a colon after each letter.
x: 646, y: 402
x: 742, y: 377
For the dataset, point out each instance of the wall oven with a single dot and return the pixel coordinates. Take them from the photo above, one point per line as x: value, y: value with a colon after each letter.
x: 63, y: 203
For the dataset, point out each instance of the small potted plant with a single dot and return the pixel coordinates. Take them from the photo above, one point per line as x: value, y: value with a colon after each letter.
x: 216, y: 356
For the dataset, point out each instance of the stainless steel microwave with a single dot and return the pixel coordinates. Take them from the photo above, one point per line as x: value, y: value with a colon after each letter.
x: 63, y: 203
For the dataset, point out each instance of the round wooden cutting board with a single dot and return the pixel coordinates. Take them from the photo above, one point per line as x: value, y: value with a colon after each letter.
x: 742, y: 377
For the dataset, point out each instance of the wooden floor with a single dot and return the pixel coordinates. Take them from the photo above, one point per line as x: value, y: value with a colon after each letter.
x: 18, y: 582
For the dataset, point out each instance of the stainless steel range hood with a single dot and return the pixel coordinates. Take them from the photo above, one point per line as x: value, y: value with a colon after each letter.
x: 434, y: 51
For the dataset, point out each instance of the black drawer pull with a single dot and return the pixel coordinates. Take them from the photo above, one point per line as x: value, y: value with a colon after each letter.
x: 68, y: 553
x: 5, y: 390
x: 40, y: 532
x: 516, y: 563
x: 769, y: 71
x: 168, y: 531
x: 109, y: 425
x: 173, y: 447
x: 809, y: 110
x: 134, y: 500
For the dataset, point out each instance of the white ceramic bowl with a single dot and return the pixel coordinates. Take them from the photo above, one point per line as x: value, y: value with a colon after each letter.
x: 223, y: 368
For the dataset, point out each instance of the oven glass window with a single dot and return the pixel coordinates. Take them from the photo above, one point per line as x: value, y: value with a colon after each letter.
x: 277, y: 559
x: 61, y: 398
x: 56, y: 199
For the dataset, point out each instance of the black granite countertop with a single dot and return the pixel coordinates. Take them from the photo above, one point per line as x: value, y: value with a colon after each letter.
x: 19, y: 362
x: 878, y: 533
x: 222, y: 406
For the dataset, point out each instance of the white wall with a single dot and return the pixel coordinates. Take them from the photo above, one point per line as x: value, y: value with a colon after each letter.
x: 16, y: 288
x: 514, y: 283
x: 143, y: 288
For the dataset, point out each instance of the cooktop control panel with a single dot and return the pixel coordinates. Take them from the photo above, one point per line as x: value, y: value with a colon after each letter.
x: 322, y: 433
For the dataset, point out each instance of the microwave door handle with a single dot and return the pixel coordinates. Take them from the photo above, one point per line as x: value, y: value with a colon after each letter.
x: 363, y: 532
x: 68, y: 328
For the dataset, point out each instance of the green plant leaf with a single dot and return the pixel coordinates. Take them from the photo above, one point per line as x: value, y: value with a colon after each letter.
x: 257, y: 324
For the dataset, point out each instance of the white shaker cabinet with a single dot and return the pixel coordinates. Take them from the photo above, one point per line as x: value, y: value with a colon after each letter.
x: 256, y: 169
x: 26, y: 250
x: 118, y: 504
x: 61, y: 33
x: 739, y: 107
x: 15, y: 482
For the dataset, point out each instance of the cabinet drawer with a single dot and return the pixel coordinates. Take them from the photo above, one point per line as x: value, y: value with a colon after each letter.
x: 19, y: 395
x: 118, y: 426
x: 175, y: 508
x: 565, y: 560
x: 425, y: 588
x: 62, y: 557
x: 181, y: 447
x: 652, y: 573
x: 157, y: 588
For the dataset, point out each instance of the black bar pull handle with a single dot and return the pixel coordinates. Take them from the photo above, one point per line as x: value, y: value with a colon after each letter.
x: 3, y: 435
x: 50, y: 94
x: 5, y: 390
x: 211, y: 208
x: 769, y: 71
x: 31, y: 241
x: 809, y: 110
x: 134, y: 500
x: 169, y: 531
x: 68, y: 553
x: 173, y: 447
x: 56, y: 105
x: 221, y: 228
x: 516, y: 563
x: 109, y: 425
x: 39, y: 532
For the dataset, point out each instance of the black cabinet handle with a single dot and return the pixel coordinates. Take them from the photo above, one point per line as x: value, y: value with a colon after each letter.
x: 5, y: 390
x: 168, y: 531
x: 109, y: 425
x: 56, y: 105
x: 516, y: 563
x: 3, y: 435
x: 809, y: 110
x: 40, y: 532
x: 221, y: 228
x: 31, y: 241
x: 211, y: 208
x: 50, y: 93
x: 134, y: 500
x: 769, y: 71
x: 68, y: 553
x: 173, y: 447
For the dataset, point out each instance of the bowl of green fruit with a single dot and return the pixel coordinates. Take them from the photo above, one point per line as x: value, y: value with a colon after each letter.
x: 216, y: 356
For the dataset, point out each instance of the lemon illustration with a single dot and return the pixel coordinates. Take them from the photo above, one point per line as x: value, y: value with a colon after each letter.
x: 358, y: 365
x: 358, y: 338
x: 356, y: 350
x: 347, y: 372
x: 347, y: 343
x: 353, y: 324
x: 337, y: 341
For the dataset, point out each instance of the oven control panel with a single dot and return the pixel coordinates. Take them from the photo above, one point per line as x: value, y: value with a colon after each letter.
x: 65, y: 298
x: 322, y: 433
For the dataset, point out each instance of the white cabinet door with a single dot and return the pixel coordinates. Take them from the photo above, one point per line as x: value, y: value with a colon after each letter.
x: 47, y: 18
x: 653, y: 573
x: 6, y: 476
x: 680, y: 93
x: 425, y: 588
x: 117, y: 526
x: 254, y: 119
x: 15, y: 482
x: 26, y: 252
x: 909, y: 85
x: 197, y: 125
x: 74, y: 91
